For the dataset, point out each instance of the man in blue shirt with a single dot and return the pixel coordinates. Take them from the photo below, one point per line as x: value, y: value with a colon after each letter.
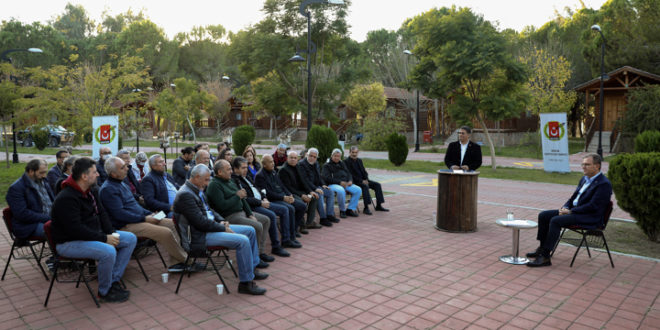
x: 586, y: 207
x: 158, y: 187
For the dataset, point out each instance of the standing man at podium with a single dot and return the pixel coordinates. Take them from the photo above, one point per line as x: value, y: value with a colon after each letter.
x: 463, y: 154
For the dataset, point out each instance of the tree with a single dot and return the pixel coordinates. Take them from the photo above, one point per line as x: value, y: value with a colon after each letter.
x: 465, y: 56
x: 9, y: 92
x: 643, y: 110
x: 222, y: 92
x: 547, y: 82
x: 271, y: 98
x: 74, y: 23
x: 203, y: 54
x: 367, y: 99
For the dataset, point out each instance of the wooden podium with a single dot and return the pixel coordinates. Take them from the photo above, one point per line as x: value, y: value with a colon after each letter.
x: 457, y: 201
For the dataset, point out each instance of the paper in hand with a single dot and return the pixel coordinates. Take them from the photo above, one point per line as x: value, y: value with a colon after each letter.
x: 159, y: 216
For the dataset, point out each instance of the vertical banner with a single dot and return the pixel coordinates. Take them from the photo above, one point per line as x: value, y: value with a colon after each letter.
x: 105, y: 134
x: 554, y: 137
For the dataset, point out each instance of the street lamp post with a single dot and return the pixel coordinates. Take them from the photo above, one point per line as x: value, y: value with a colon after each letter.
x: 137, y: 123
x: 407, y: 52
x: 601, y: 106
x: 4, y: 57
x: 311, y: 48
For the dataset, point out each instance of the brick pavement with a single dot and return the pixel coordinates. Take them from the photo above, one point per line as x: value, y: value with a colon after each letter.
x: 388, y: 271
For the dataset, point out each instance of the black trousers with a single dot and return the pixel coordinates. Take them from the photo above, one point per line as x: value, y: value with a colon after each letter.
x: 550, y: 224
x: 366, y: 196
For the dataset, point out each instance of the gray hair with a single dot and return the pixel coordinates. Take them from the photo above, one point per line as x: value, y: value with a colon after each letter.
x: 111, y: 164
x: 281, y: 146
x: 334, y: 151
x: 291, y: 152
x: 594, y: 157
x: 68, y: 162
x: 141, y: 156
x: 199, y: 154
x: 123, y: 152
x: 153, y: 158
x: 314, y: 150
x: 199, y: 170
x: 354, y: 148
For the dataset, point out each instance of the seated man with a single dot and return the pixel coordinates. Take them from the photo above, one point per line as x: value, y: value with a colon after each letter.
x: 276, y: 192
x: 182, y: 165
x: 56, y: 172
x: 260, y: 204
x: 229, y: 201
x: 585, y: 207
x: 279, y: 156
x: 201, y: 157
x: 131, y: 181
x: 127, y: 215
x: 310, y: 171
x: 361, y: 179
x: 140, y: 166
x: 201, y: 227
x: 81, y: 229
x: 205, y: 146
x: 104, y: 153
x: 337, y: 175
x: 290, y: 176
x: 30, y: 200
x: 158, y: 187
x: 66, y: 172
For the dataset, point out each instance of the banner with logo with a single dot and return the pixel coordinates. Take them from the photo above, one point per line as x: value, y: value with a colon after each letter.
x: 105, y: 134
x: 554, y: 137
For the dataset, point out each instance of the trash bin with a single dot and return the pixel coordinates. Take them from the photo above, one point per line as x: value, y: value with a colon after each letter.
x: 427, y: 137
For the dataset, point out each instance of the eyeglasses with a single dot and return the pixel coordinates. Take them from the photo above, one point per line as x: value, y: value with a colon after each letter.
x: 586, y: 164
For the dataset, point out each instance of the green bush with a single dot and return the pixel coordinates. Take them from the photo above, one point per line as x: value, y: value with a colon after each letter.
x: 377, y: 128
x: 648, y: 141
x: 324, y: 139
x: 242, y: 137
x: 636, y: 184
x: 40, y: 137
x: 397, y: 149
x: 642, y: 110
x: 120, y: 142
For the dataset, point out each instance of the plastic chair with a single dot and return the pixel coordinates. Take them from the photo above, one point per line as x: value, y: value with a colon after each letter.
x: 79, y: 265
x: 144, y: 245
x: 590, y: 236
x: 18, y: 243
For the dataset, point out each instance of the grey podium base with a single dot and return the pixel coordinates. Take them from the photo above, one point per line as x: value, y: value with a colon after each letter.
x: 454, y: 231
x: 514, y: 260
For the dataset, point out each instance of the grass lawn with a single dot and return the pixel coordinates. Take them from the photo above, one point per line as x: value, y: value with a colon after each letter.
x: 626, y: 237
x: 46, y: 151
x: 507, y: 173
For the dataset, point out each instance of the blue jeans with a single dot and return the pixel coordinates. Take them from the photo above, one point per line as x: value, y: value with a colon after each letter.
x: 289, y: 225
x: 341, y: 196
x: 355, y: 192
x: 39, y: 231
x: 244, y: 241
x: 111, y: 260
x: 272, y: 230
x: 327, y: 208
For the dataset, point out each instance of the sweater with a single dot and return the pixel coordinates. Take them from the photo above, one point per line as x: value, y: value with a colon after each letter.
x: 221, y: 194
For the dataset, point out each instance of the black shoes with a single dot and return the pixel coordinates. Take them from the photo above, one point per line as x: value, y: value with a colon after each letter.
x: 260, y: 276
x: 178, y: 268
x: 262, y: 264
x: 326, y: 222
x: 291, y: 244
x: 352, y: 213
x: 280, y: 252
x: 196, y: 267
x: 303, y: 231
x: 381, y: 208
x: 332, y: 218
x: 540, y: 261
x: 115, y: 294
x: 342, y: 214
x: 313, y: 225
x: 298, y: 235
x: 266, y: 258
x: 534, y: 254
x: 250, y: 288
x: 367, y: 211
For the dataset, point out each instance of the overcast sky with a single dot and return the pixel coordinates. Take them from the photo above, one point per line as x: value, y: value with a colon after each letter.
x: 364, y: 15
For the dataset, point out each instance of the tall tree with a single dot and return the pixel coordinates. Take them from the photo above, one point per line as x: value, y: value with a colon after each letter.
x: 547, y: 81
x: 465, y: 56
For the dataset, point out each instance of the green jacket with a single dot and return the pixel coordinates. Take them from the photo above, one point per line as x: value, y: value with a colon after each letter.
x: 222, y: 198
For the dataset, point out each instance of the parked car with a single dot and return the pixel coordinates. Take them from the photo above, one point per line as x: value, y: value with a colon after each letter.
x: 56, y: 135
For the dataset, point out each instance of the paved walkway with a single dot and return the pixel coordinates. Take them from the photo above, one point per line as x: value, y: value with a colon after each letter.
x: 387, y: 271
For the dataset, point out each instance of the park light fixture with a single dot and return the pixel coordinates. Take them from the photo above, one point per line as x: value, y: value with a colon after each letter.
x: 601, y: 106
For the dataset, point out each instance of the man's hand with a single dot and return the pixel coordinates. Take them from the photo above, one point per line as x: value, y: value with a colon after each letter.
x: 325, y: 186
x: 227, y: 228
x: 314, y: 194
x: 253, y: 217
x: 289, y: 199
x: 241, y: 193
x: 465, y: 168
x: 365, y: 182
x: 564, y: 211
x: 319, y: 191
x: 343, y: 184
x: 455, y: 167
x: 265, y: 203
x: 306, y: 198
x: 150, y: 219
x: 186, y: 167
x: 114, y: 241
x: 141, y: 200
x: 349, y: 183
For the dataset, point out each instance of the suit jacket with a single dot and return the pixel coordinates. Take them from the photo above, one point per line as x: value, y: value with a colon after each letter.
x: 100, y: 167
x: 242, y: 183
x: 192, y: 219
x: 290, y: 176
x: 25, y: 204
x: 356, y: 167
x: 311, y: 174
x: 593, y: 202
x: 472, y: 156
x: 54, y: 175
x: 154, y: 191
x: 275, y: 189
x: 178, y: 170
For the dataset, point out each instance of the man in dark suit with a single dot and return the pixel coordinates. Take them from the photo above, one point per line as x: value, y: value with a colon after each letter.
x: 158, y: 187
x: 183, y: 165
x: 463, y: 154
x: 56, y: 172
x: 30, y: 199
x: 361, y: 179
x: 586, y: 207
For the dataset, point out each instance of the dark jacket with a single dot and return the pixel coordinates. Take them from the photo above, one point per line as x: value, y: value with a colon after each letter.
x: 58, y: 185
x: 130, y: 178
x: 154, y: 191
x: 100, y: 167
x: 292, y: 180
x: 275, y: 189
x: 472, y: 157
x: 357, y: 170
x: 242, y: 183
x: 221, y: 196
x: 334, y: 173
x: 178, y: 171
x: 53, y: 176
x: 78, y: 215
x: 192, y: 220
x: 120, y: 204
x: 25, y: 204
x: 311, y: 173
x: 593, y: 202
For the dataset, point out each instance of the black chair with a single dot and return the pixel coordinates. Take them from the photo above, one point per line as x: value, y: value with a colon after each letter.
x: 594, y: 237
x: 208, y: 254
x: 78, y: 264
x: 19, y: 243
x: 142, y: 250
